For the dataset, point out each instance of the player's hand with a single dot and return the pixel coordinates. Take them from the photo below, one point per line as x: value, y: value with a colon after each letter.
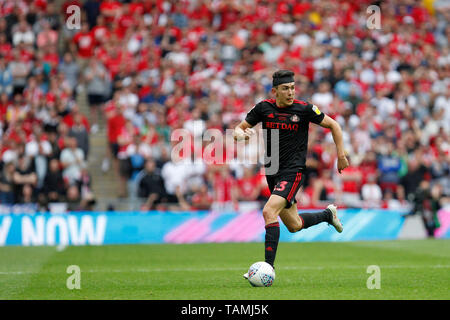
x: 342, y: 163
x: 240, y: 134
x: 249, y: 132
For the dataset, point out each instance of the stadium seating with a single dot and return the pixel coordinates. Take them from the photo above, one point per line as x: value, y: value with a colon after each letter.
x: 134, y: 72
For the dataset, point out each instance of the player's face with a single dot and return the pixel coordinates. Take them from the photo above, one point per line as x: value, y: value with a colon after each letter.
x: 285, y: 93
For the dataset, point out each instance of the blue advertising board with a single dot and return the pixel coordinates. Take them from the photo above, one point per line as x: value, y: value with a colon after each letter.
x: 98, y: 228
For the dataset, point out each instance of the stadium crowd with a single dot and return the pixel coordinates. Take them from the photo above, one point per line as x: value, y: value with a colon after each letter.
x: 153, y: 67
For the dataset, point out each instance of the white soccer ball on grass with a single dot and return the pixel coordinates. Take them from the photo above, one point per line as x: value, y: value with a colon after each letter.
x: 261, y: 274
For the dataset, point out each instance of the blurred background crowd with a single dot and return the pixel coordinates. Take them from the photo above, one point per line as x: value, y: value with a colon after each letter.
x: 150, y: 67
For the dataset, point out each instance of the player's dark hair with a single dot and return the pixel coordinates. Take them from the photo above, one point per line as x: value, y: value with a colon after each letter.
x: 282, y: 76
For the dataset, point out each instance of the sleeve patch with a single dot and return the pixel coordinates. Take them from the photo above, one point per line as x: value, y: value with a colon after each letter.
x: 316, y: 109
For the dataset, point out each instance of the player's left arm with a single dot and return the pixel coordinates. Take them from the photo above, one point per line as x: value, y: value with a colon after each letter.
x: 336, y: 131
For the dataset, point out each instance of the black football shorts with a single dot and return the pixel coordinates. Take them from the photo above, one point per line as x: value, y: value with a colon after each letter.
x: 286, y: 185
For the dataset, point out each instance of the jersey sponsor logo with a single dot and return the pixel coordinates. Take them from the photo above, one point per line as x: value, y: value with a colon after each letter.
x: 316, y: 109
x: 295, y: 118
x: 283, y: 126
x: 271, y: 116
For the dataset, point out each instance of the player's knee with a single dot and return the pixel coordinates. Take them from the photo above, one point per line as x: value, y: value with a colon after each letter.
x: 294, y: 228
x: 269, y: 215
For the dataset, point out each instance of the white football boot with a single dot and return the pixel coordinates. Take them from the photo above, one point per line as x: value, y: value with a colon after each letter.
x: 335, y: 222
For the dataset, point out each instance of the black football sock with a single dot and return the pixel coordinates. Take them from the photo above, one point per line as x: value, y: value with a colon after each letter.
x: 271, y: 242
x: 313, y: 218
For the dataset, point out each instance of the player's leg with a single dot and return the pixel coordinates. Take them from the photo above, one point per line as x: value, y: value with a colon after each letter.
x: 291, y: 219
x: 271, y: 211
x: 289, y: 215
x: 296, y: 222
x: 283, y: 187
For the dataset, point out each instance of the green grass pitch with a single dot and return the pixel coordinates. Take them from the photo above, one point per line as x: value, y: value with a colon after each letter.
x: 409, y: 269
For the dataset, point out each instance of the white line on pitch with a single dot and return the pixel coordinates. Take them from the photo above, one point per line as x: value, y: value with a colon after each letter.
x: 438, y: 266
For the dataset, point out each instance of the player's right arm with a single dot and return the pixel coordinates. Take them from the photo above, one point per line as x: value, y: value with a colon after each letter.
x: 244, y: 130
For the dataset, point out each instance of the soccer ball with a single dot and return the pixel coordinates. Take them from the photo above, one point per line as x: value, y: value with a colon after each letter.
x: 261, y: 274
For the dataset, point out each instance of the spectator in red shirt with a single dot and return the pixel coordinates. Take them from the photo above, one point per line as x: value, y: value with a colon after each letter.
x: 75, y: 111
x: 124, y: 22
x: 115, y: 121
x: 225, y: 197
x: 51, y: 58
x: 248, y: 186
x: 202, y: 199
x: 351, y: 179
x: 100, y: 32
x: 125, y: 137
x: 84, y: 42
x: 111, y: 10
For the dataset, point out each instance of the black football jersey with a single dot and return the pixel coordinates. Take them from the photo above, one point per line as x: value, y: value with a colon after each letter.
x: 285, y: 132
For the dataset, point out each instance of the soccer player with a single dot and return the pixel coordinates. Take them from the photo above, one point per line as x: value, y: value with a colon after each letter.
x: 284, y: 173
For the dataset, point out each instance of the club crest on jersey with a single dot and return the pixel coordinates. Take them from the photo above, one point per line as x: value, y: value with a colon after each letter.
x: 295, y: 118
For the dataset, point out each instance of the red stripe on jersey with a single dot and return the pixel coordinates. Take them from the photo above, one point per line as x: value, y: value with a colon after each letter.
x: 301, y: 102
